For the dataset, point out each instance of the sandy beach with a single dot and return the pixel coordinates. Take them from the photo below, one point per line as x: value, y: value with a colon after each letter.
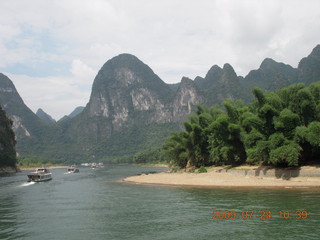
x: 222, y: 179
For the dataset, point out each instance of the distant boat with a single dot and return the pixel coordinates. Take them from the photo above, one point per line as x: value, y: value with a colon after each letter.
x: 73, y: 169
x: 100, y: 164
x: 85, y: 164
x: 40, y: 175
x: 93, y: 165
x: 97, y: 165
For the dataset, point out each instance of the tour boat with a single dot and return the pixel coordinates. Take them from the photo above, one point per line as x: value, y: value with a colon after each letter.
x: 73, y: 169
x: 40, y: 175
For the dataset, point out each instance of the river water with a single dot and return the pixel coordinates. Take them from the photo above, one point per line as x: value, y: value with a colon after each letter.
x: 94, y: 204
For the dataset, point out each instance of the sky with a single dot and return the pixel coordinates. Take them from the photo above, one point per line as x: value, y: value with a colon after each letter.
x: 53, y: 49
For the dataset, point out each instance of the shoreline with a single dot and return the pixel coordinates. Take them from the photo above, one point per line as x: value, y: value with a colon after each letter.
x: 8, y: 170
x: 217, y: 178
x: 49, y: 167
x: 163, y: 165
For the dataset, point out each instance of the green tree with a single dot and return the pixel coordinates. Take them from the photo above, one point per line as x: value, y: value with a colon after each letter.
x: 278, y: 128
x: 225, y: 142
x: 175, y: 149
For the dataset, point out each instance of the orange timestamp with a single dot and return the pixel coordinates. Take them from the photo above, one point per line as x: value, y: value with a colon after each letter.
x: 262, y: 214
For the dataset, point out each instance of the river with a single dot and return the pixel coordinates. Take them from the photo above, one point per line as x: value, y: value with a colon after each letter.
x: 95, y: 204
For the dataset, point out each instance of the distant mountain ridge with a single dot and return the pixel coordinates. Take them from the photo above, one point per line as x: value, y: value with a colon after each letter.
x: 44, y: 116
x: 129, y: 103
x: 280, y: 74
x: 308, y: 67
x: 74, y: 113
x: 25, y: 122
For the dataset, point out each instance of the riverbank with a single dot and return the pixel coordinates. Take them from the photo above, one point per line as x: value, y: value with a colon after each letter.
x: 38, y: 166
x: 238, y: 177
x: 163, y: 165
x: 8, y: 170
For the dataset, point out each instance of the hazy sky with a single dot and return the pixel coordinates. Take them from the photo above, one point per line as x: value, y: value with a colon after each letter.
x: 52, y: 49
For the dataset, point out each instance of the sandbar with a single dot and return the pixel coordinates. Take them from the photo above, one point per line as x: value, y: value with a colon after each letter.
x: 222, y: 179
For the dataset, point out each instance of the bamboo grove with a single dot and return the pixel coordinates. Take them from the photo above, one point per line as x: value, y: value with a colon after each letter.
x: 279, y: 128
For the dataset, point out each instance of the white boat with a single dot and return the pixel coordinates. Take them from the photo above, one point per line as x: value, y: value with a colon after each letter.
x: 100, y: 164
x: 40, y: 175
x: 96, y: 165
x: 73, y: 169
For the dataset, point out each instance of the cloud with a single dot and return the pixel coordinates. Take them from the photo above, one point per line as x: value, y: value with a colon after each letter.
x: 57, y: 95
x: 81, y: 72
x: 64, y: 43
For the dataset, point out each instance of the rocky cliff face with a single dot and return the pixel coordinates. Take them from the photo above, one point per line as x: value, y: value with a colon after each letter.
x: 30, y: 131
x: 125, y: 85
x: 187, y: 97
x: 7, y: 142
x: 309, y: 67
x: 127, y: 93
x: 219, y: 84
x: 14, y: 106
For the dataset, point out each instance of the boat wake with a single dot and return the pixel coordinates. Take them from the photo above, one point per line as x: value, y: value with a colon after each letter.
x: 26, y: 184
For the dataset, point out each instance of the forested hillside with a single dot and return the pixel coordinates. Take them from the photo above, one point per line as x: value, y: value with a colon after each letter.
x: 280, y: 128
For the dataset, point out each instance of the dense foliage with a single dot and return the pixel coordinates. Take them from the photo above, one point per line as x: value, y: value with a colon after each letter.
x: 279, y: 128
x: 7, y: 141
x: 151, y: 155
x: 134, y: 145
